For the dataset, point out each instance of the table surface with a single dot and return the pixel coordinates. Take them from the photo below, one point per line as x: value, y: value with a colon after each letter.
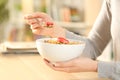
x: 32, y: 67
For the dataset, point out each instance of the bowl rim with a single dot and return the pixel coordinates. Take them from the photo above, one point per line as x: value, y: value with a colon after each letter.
x: 42, y: 39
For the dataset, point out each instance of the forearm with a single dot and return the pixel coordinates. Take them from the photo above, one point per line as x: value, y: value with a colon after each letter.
x: 90, y: 50
x: 100, y: 34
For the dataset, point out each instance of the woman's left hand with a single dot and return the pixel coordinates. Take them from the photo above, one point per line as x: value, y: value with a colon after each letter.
x: 80, y: 64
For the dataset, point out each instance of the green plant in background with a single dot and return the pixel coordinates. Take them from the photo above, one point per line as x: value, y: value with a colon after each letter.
x: 4, y: 12
x: 18, y: 5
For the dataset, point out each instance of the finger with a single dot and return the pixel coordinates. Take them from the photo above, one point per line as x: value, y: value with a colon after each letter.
x: 69, y: 69
x: 31, y: 21
x: 36, y: 31
x: 46, y: 60
x: 35, y: 26
x: 66, y: 69
x: 28, y: 16
x: 35, y: 15
x: 53, y: 67
x: 48, y: 63
x: 64, y: 64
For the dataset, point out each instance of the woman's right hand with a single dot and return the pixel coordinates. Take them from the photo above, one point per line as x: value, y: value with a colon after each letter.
x: 36, y: 19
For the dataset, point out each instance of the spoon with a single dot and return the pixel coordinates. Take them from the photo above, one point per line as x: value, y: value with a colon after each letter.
x: 44, y: 24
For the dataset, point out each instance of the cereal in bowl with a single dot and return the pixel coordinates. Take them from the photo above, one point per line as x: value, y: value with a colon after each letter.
x: 61, y: 40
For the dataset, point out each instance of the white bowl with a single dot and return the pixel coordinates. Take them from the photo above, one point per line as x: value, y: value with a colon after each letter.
x: 58, y: 52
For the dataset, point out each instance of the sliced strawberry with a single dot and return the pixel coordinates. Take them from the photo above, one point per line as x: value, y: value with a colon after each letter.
x: 49, y: 24
x: 63, y: 40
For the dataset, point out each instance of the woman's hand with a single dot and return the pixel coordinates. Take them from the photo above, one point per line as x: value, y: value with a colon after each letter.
x: 36, y: 20
x: 80, y: 64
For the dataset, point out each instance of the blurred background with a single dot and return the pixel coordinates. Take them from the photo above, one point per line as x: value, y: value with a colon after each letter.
x: 77, y: 16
